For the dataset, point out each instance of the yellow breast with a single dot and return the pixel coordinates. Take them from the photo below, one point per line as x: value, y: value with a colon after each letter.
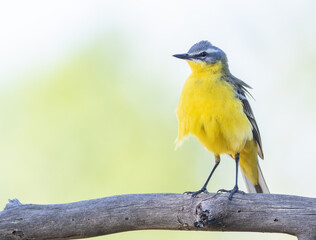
x: 209, y: 110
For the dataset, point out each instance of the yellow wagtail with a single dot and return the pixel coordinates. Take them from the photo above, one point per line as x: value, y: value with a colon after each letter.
x: 213, y: 106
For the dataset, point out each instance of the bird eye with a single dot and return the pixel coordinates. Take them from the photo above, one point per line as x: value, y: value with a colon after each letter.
x: 203, y: 54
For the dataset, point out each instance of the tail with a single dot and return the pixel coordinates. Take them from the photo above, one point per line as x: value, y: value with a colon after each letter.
x: 261, y: 187
x: 252, y: 173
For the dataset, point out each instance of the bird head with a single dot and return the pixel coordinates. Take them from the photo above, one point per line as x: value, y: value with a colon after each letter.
x: 204, y: 54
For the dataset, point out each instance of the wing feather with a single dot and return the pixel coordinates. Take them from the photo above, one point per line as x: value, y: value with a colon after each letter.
x: 241, y: 92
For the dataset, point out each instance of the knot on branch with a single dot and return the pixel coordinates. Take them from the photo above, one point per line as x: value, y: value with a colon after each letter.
x: 210, y: 215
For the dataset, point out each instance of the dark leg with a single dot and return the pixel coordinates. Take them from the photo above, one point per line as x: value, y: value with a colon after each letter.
x: 203, y: 189
x: 235, y: 189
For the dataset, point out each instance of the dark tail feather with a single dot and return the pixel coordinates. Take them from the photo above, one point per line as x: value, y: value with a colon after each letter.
x: 258, y: 189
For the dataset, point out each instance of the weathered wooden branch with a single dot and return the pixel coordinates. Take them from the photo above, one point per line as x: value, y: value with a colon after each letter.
x: 207, y: 212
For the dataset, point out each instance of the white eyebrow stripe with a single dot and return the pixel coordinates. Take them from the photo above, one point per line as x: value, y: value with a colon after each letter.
x: 211, y: 50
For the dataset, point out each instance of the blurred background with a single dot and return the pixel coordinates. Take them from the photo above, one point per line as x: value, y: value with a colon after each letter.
x: 89, y: 90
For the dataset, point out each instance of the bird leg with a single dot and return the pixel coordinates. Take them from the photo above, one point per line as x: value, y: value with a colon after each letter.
x: 203, y: 189
x: 235, y: 189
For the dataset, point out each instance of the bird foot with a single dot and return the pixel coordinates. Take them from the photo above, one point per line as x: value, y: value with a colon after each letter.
x: 231, y: 192
x: 194, y: 194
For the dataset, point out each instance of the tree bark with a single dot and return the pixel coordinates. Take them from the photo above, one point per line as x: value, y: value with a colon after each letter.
x: 207, y: 212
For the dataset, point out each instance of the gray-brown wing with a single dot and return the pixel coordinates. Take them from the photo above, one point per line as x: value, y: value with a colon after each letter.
x: 241, y: 91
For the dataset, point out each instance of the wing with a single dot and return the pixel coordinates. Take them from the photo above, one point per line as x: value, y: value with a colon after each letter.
x: 241, y: 92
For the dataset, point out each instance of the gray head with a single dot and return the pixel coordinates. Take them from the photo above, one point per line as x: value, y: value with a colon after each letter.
x: 204, y: 51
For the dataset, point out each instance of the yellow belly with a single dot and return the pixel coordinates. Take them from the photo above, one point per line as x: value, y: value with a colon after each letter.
x: 209, y: 110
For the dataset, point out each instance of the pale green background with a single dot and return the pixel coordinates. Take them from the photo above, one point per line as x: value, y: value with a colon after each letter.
x: 89, y: 91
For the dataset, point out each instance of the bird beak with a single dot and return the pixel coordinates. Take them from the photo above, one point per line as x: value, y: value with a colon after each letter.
x: 182, y: 56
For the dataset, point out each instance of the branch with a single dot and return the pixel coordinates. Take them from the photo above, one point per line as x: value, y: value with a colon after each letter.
x: 207, y: 212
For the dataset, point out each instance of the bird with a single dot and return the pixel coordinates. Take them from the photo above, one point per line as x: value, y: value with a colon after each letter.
x: 214, y: 107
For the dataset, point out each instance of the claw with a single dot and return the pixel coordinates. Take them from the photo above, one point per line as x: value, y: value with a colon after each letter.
x: 222, y: 190
x: 194, y: 194
x: 231, y: 192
